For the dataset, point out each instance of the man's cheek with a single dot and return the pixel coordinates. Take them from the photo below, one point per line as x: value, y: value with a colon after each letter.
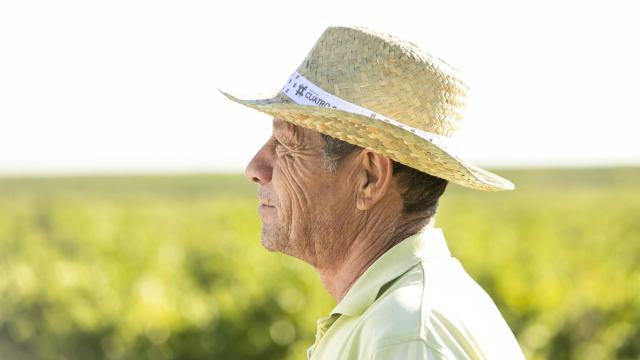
x: 284, y: 198
x: 295, y: 181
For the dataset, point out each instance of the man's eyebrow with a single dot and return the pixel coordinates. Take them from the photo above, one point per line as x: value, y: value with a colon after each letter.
x: 277, y: 133
x: 279, y: 125
x: 276, y: 126
x: 280, y: 128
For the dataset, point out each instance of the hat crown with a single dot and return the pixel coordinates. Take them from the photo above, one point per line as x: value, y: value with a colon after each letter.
x: 388, y: 75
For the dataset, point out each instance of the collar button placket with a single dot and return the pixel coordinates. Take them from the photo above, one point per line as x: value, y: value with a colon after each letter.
x: 324, y: 324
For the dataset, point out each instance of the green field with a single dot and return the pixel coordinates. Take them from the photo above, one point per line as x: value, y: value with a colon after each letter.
x: 171, y: 267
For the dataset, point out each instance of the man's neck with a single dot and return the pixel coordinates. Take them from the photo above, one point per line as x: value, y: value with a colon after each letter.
x: 364, y: 251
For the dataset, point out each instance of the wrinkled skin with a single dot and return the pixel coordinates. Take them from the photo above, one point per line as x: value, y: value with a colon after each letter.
x: 294, y: 180
x: 339, y: 222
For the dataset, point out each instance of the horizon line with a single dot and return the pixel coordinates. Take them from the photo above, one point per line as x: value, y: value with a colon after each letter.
x: 226, y: 171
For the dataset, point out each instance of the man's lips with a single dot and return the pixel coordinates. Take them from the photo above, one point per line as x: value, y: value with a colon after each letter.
x: 264, y: 209
x: 265, y: 201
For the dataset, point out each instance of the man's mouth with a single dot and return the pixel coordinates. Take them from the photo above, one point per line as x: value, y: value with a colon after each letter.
x: 264, y: 209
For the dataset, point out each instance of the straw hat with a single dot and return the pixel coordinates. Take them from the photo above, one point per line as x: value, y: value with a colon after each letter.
x: 383, y: 93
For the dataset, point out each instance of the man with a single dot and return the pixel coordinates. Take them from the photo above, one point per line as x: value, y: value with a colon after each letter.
x: 349, y: 182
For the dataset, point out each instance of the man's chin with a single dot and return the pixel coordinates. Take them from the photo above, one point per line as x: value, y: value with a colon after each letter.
x: 270, y: 242
x: 269, y: 246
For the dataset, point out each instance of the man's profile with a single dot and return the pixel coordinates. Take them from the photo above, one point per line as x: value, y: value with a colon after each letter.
x: 349, y: 182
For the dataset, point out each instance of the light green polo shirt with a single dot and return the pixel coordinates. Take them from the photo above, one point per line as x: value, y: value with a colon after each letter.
x: 415, y: 302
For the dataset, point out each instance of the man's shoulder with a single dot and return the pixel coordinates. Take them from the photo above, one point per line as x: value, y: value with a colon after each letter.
x: 437, y: 302
x: 410, y: 299
x: 396, y: 313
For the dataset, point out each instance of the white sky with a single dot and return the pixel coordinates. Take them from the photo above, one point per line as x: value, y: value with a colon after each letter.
x: 131, y: 86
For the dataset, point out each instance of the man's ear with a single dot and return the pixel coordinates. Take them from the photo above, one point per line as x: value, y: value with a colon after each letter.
x: 374, y: 179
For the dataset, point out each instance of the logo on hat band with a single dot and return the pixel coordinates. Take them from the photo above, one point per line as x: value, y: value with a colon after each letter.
x: 304, y: 92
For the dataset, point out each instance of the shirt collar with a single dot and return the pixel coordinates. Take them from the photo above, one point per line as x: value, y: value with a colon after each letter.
x: 427, y: 244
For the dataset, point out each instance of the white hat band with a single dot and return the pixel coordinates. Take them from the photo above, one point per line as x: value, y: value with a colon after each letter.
x: 304, y: 92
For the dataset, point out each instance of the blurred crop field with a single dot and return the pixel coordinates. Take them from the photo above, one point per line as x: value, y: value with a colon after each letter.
x: 171, y: 267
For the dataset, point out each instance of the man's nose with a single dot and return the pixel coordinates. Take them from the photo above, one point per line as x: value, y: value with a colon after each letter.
x: 260, y: 168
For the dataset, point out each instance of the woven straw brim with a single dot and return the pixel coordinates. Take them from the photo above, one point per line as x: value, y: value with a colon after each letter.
x: 397, y: 144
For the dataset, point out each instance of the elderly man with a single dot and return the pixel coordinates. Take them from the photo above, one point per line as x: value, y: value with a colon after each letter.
x: 349, y: 182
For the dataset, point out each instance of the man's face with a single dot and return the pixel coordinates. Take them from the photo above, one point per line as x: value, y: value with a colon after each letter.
x: 303, y: 204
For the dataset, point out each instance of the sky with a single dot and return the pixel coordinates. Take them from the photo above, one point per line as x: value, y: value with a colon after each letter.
x: 131, y: 86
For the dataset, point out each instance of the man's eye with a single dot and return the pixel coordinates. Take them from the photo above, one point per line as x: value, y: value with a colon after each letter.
x: 278, y: 147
